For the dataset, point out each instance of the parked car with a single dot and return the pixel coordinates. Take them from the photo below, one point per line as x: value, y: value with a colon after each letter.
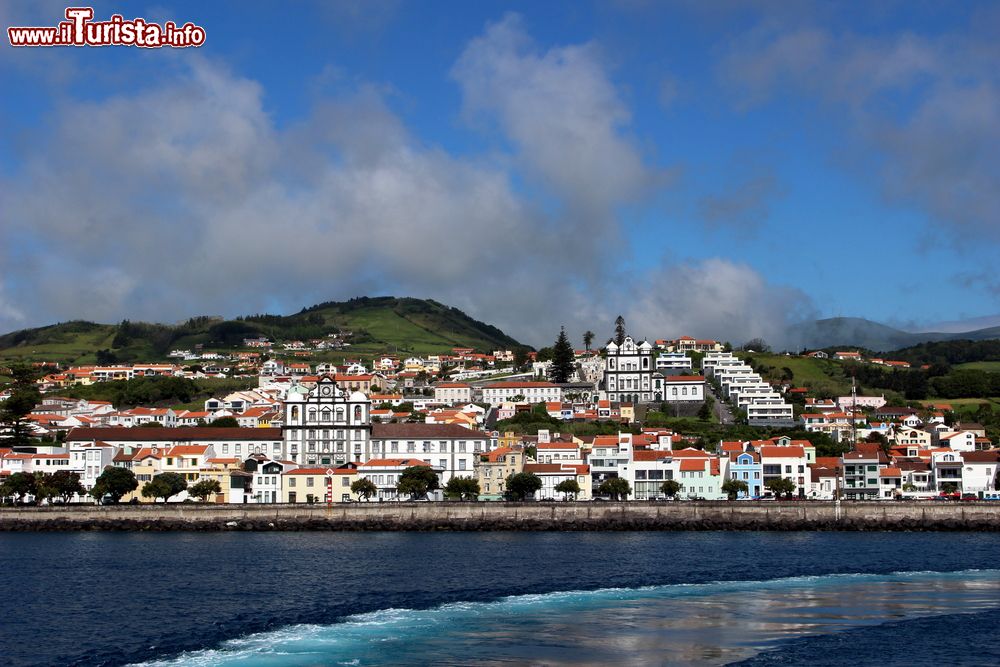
x: 969, y: 497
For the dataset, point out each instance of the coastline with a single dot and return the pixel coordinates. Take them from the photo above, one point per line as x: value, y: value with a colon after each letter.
x: 484, y: 516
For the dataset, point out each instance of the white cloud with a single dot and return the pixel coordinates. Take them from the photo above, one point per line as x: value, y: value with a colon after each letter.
x: 185, y: 198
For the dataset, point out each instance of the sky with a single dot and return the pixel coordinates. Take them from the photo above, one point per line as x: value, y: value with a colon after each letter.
x: 717, y: 169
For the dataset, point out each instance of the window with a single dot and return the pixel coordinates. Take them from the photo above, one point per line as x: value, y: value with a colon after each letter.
x: 310, y: 481
x: 461, y: 464
x: 291, y: 481
x: 443, y: 463
x: 225, y: 449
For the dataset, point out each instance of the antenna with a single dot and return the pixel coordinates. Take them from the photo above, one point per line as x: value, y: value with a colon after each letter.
x: 854, y: 404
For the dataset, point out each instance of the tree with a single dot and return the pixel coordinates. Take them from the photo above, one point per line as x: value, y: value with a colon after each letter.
x: 588, y: 339
x: 66, y: 484
x: 568, y: 487
x: 619, y: 330
x: 520, y: 357
x: 671, y: 488
x: 523, y: 484
x: 19, y: 486
x: 114, y: 482
x: 22, y: 398
x: 780, y: 486
x: 462, y: 488
x: 616, y: 487
x: 364, y: 487
x: 563, y: 359
x: 164, y: 485
x: 204, y: 488
x: 705, y: 412
x: 150, y: 425
x: 757, y: 345
x: 734, y: 487
x: 224, y: 422
x: 416, y: 481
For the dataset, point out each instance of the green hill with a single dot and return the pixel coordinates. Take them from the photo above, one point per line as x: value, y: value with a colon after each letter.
x: 377, y: 324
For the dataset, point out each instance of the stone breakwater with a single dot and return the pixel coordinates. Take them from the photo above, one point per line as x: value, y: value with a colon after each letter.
x: 448, y: 516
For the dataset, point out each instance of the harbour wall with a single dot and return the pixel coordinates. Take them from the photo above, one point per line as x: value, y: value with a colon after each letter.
x: 534, y: 516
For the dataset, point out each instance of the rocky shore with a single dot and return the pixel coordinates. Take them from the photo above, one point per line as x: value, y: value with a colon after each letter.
x: 813, y: 516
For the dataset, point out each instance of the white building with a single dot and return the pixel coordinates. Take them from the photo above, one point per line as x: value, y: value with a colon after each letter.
x: 453, y: 392
x: 528, y: 392
x: 385, y: 473
x: 326, y: 426
x: 628, y: 372
x: 554, y: 474
x: 682, y: 388
x: 450, y: 449
x: 673, y: 363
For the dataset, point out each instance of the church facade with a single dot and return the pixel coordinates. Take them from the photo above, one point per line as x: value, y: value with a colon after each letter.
x: 327, y: 425
x: 628, y: 373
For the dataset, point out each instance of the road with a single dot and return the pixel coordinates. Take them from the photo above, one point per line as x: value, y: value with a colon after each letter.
x: 722, y: 411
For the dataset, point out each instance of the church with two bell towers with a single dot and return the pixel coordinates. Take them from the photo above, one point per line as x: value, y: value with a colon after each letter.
x: 326, y: 425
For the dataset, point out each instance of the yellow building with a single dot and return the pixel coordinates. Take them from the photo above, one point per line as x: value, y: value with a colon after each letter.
x: 220, y: 469
x: 320, y: 485
x: 494, y: 468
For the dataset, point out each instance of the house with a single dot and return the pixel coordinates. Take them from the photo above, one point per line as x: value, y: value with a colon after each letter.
x: 558, y: 452
x: 453, y: 392
x: 788, y: 462
x: 673, y: 363
x: 224, y: 441
x: 913, y: 437
x: 452, y: 449
x: 847, y: 356
x: 861, y: 471
x: 947, y: 468
x: 679, y: 388
x: 982, y: 471
x: 385, y: 474
x: 496, y: 393
x: 553, y: 474
x: 958, y: 441
x: 315, y: 485
x: 700, y: 475
x: 825, y: 475
x: 493, y: 468
x: 890, y: 482
x: 745, y: 466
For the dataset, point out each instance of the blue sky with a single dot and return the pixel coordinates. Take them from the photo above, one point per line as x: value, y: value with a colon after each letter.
x: 714, y: 169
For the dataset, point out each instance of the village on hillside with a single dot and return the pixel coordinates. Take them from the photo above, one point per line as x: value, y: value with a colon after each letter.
x: 635, y: 420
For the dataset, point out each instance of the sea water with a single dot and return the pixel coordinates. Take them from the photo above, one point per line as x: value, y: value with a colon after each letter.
x: 507, y: 598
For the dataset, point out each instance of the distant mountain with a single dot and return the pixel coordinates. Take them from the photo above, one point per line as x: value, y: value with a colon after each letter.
x: 376, y: 324
x: 859, y: 332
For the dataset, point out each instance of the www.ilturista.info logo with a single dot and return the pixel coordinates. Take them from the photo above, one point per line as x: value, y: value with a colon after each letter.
x: 80, y: 30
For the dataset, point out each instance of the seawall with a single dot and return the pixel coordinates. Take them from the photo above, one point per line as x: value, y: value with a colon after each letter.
x: 485, y: 516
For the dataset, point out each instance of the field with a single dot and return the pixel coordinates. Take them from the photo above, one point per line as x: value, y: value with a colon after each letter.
x: 823, y: 375
x: 78, y: 347
x: 990, y: 366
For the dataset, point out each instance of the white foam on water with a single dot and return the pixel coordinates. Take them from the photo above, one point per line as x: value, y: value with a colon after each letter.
x: 357, y: 639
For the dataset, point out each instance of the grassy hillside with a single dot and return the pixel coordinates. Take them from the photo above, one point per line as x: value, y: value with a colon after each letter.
x: 402, y: 325
x: 824, y: 376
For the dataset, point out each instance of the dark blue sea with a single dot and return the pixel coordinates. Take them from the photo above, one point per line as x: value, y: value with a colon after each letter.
x: 277, y: 599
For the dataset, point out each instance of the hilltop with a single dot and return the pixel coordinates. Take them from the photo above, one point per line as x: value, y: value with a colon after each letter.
x: 370, y: 324
x: 856, y: 332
